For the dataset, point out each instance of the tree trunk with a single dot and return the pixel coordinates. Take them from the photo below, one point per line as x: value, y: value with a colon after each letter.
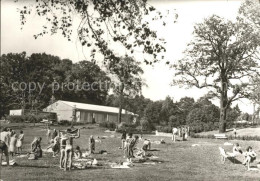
x: 120, y: 103
x: 120, y: 114
x: 223, y: 106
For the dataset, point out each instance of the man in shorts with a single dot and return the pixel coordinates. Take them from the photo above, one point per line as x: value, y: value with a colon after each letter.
x: 4, y: 141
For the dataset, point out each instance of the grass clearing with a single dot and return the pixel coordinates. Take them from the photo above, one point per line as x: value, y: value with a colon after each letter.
x: 179, y: 161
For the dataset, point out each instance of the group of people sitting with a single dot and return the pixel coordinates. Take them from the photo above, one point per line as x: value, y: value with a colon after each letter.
x: 10, y: 143
x: 249, y: 154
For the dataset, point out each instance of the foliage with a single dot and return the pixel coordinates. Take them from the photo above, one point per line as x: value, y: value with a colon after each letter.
x: 152, y: 112
x: 249, y: 10
x: 49, y: 77
x: 109, y: 125
x: 230, y: 137
x: 164, y: 129
x: 128, y: 73
x: 205, y: 118
x: 125, y: 23
x: 30, y: 118
x: 145, y: 125
x: 221, y: 53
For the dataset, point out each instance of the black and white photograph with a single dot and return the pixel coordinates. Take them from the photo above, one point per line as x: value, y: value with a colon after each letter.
x: 138, y: 90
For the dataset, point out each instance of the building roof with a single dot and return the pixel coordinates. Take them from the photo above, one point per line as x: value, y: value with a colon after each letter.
x: 93, y: 107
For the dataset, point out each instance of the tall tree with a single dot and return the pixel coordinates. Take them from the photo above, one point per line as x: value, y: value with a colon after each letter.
x: 249, y: 10
x: 221, y: 57
x: 91, y: 84
x: 125, y: 23
x: 128, y: 80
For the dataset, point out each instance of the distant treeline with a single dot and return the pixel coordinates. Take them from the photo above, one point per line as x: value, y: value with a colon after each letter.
x: 54, y: 79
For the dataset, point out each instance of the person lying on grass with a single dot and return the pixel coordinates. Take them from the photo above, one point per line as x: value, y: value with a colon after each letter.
x: 69, y: 136
x: 250, y: 156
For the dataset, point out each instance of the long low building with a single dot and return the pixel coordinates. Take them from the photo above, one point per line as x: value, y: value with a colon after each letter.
x: 87, y: 113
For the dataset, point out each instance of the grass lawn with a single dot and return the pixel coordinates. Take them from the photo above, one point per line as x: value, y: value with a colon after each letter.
x: 178, y: 161
x: 240, y: 132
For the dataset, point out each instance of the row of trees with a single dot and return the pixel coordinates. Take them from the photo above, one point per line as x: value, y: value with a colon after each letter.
x: 222, y: 56
x: 33, y: 82
x: 53, y: 78
x: 29, y: 82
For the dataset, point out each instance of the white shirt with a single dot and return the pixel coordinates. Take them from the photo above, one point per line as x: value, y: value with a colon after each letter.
x: 5, y: 137
x: 174, y: 130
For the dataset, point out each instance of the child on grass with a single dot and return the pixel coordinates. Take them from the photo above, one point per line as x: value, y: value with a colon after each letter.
x: 19, y: 142
x: 91, y: 144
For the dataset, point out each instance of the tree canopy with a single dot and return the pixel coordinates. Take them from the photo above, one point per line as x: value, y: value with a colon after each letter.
x: 222, y: 58
x: 102, y: 24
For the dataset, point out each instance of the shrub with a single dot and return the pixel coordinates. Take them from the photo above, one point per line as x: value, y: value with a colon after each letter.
x: 145, y: 125
x: 109, y: 125
x: 16, y: 119
x: 64, y: 122
x: 122, y: 125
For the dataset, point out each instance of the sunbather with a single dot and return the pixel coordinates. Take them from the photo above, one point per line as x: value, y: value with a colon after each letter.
x: 77, y: 153
x: 250, y: 156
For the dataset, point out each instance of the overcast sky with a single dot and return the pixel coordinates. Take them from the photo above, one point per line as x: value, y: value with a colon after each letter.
x: 158, y: 77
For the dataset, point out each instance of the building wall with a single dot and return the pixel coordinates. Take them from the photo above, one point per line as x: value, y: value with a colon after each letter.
x: 87, y: 116
x: 63, y: 111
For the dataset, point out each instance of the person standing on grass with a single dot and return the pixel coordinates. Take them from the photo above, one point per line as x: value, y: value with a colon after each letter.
x: 123, y: 139
x: 19, y: 142
x: 62, y: 149
x: 69, y: 148
x: 48, y: 134
x: 54, y: 134
x: 4, y: 142
x: 91, y: 144
x: 235, y: 132
x: 131, y: 143
x: 13, y: 141
x: 174, y: 133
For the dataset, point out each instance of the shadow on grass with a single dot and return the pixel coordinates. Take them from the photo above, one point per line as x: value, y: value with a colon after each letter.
x: 33, y: 166
x: 234, y: 160
x: 154, y: 150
